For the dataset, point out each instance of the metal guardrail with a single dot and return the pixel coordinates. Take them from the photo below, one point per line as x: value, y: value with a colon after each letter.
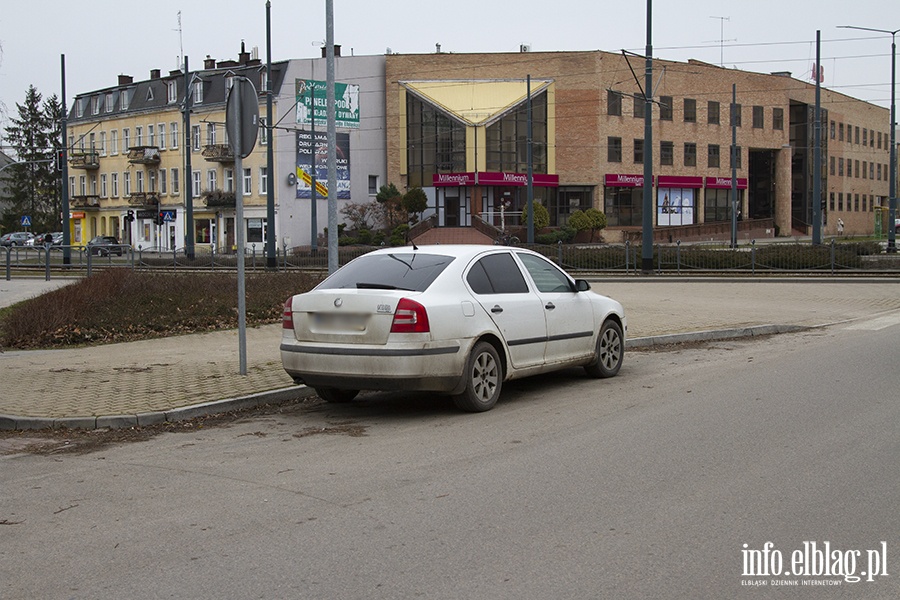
x: 771, y: 258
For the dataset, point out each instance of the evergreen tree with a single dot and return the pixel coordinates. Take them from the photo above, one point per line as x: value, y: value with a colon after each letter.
x: 34, y: 136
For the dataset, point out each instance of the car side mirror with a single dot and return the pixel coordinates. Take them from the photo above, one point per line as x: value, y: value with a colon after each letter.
x: 582, y: 285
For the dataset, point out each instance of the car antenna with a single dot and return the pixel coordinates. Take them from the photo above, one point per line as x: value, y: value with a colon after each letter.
x: 412, y: 243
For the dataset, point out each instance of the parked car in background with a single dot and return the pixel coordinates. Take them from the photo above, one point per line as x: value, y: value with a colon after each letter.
x: 16, y: 238
x: 459, y: 320
x: 105, y: 245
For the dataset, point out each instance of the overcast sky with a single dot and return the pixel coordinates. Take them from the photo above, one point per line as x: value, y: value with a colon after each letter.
x: 104, y: 38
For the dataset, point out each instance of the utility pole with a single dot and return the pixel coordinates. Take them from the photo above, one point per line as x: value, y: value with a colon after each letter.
x: 333, y: 261
x: 817, y: 149
x: 271, y: 260
x: 64, y: 169
x: 647, y: 221
x: 188, y: 176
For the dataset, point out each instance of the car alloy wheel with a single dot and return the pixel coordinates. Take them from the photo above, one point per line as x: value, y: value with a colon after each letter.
x: 484, y: 379
x: 610, y: 351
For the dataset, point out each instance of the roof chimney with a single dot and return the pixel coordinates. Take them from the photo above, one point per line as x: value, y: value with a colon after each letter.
x: 244, y: 56
x: 154, y: 74
x: 209, y: 62
x: 125, y: 79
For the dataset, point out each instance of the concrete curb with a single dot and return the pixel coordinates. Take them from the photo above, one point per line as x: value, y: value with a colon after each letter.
x: 18, y: 423
x: 12, y: 422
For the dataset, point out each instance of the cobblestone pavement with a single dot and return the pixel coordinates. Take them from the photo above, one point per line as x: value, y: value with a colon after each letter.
x: 139, y: 382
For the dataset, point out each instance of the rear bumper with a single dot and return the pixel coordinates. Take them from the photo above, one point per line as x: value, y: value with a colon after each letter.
x: 435, y: 366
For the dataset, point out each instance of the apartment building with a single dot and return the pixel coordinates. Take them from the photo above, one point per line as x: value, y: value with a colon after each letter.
x: 461, y: 123
x: 129, y: 147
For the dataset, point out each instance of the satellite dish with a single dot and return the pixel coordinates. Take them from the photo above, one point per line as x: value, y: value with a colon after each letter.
x: 242, y: 115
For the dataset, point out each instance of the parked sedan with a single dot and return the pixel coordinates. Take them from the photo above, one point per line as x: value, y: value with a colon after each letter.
x: 16, y: 238
x: 104, y: 245
x: 458, y: 320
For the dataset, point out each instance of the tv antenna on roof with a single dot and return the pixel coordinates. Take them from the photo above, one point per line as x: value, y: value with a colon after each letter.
x: 722, y: 39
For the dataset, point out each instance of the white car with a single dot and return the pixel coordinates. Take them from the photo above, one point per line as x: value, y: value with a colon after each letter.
x: 458, y: 320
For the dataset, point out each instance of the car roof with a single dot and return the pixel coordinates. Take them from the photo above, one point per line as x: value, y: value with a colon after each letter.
x: 458, y: 250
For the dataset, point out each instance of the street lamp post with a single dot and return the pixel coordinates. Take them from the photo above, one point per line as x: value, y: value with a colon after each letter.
x: 892, y: 199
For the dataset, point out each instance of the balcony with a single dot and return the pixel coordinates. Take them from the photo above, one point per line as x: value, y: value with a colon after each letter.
x: 88, y: 201
x: 84, y: 159
x: 218, y: 153
x: 143, y: 155
x: 143, y: 199
x: 218, y: 199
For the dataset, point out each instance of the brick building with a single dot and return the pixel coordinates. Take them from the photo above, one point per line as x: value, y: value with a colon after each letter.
x: 457, y: 127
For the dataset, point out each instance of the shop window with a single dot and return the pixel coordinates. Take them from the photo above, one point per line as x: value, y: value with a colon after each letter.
x: 623, y: 206
x: 674, y: 206
x: 717, y: 205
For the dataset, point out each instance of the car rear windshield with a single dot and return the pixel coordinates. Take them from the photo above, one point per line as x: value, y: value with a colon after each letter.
x: 395, y: 271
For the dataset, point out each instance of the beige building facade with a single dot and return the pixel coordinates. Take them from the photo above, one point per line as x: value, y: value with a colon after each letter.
x: 456, y: 127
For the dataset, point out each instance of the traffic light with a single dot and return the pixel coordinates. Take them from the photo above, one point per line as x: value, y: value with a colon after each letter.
x: 60, y: 159
x: 129, y: 216
x: 160, y: 218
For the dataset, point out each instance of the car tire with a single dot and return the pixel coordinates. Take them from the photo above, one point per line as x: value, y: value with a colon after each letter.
x: 610, y: 351
x: 484, y: 380
x: 336, y: 396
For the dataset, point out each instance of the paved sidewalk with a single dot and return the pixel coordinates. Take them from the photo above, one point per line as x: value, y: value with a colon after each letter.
x: 142, y: 383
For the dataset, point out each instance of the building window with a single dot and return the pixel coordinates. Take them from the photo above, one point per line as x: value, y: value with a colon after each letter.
x: 666, y: 153
x: 263, y: 181
x: 865, y: 137
x: 126, y: 181
x: 568, y: 200
x: 712, y: 112
x: 712, y: 156
x: 110, y: 102
x: 690, y: 110
x: 840, y: 201
x: 152, y: 180
x: 163, y: 187
x: 506, y: 145
x: 162, y: 136
x: 856, y: 135
x: 95, y: 105
x: 717, y: 205
x: 840, y: 167
x: 841, y: 132
x: 437, y: 143
x: 103, y: 185
x: 175, y: 185
x: 831, y: 199
x: 197, y: 95
x: 831, y: 166
x: 139, y: 181
x: 126, y: 138
x: 864, y: 169
x: 665, y: 108
x: 778, y: 119
x: 640, y: 104
x: 856, y: 167
x: 614, y: 149
x: 114, y: 142
x: 373, y: 185
x: 210, y: 134
x: 229, y: 181
x: 174, y: 135
x: 878, y: 171
x: 736, y: 115
x: 172, y: 91
x: 139, y: 135
x: 211, y: 179
x: 102, y: 143
x: 613, y: 103
x: 758, y: 117
x: 736, y: 157
x: 114, y: 184
x: 638, y: 151
x: 151, y: 135
x: 195, y: 138
x: 690, y: 154
x: 195, y: 180
x: 263, y: 132
x: 674, y: 206
x: 248, y: 182
x: 871, y: 170
x: 879, y: 140
x: 624, y: 206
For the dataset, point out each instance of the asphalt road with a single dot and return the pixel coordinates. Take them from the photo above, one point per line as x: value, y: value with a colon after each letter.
x: 644, y: 486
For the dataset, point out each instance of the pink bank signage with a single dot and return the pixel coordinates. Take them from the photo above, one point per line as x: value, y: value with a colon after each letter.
x: 677, y: 181
x: 622, y: 180
x: 489, y: 178
x: 724, y: 183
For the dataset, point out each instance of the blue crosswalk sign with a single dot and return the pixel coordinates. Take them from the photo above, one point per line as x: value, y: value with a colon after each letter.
x: 26, y: 221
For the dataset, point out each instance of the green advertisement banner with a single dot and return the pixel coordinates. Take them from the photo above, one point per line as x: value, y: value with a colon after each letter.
x: 311, y: 104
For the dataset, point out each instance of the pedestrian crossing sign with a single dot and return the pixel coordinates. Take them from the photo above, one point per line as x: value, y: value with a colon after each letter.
x: 26, y: 221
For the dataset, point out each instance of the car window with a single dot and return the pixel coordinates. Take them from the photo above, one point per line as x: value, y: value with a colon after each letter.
x: 546, y: 275
x: 401, y: 270
x: 496, y: 274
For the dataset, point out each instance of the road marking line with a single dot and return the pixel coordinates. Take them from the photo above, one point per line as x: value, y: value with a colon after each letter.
x: 876, y: 324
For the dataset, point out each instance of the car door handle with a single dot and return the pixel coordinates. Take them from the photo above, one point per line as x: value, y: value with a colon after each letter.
x: 497, y: 309
x: 549, y: 306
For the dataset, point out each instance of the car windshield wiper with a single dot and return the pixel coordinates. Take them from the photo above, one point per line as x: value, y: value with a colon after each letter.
x: 362, y: 285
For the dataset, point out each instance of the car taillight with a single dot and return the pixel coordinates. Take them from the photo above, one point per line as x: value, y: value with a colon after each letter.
x: 410, y: 317
x: 287, y: 317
